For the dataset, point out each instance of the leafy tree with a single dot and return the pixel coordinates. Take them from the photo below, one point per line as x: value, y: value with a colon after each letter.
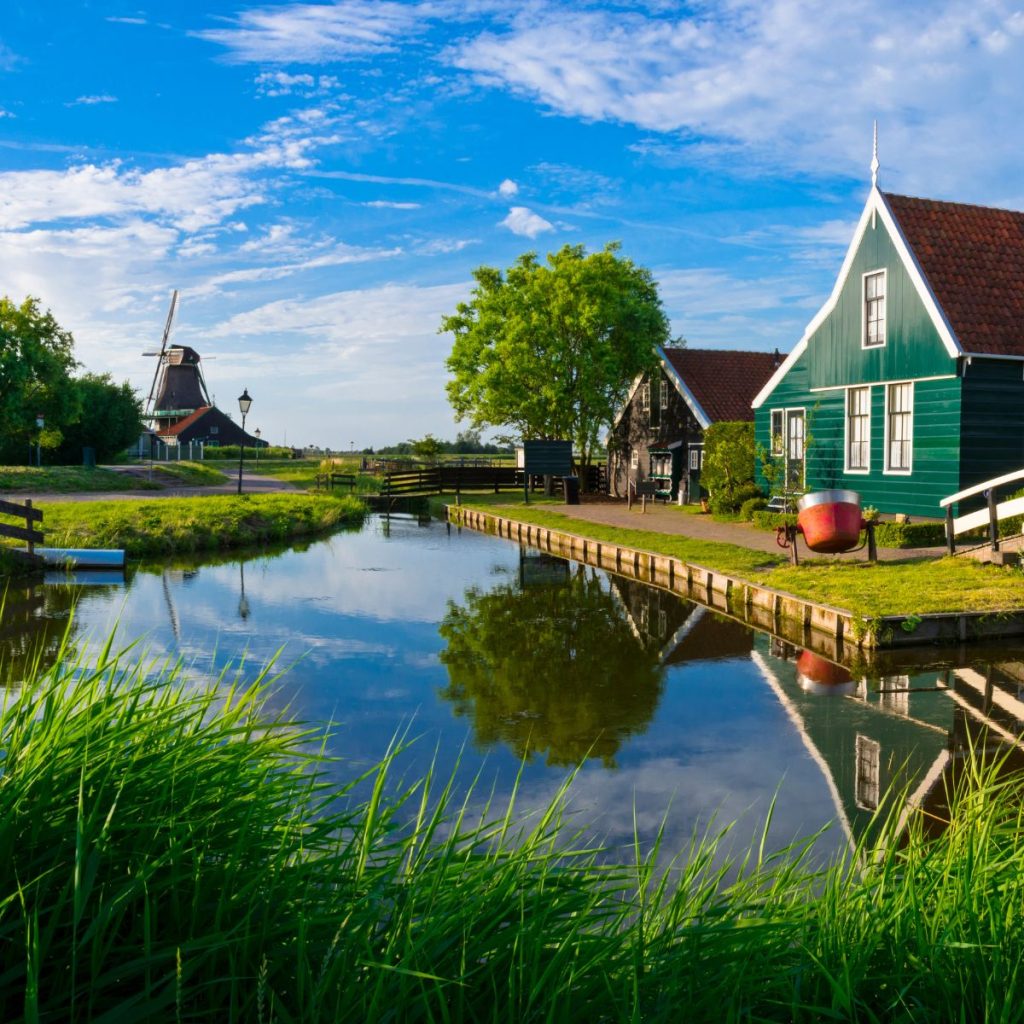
x: 550, y: 666
x: 728, y: 469
x: 110, y: 419
x: 427, y: 448
x: 549, y: 350
x: 36, y: 362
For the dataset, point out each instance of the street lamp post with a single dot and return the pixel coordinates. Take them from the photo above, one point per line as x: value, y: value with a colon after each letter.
x: 40, y: 423
x: 257, y: 434
x: 244, y: 402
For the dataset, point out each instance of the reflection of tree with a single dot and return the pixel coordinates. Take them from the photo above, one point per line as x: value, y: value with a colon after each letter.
x: 32, y: 626
x: 552, y: 668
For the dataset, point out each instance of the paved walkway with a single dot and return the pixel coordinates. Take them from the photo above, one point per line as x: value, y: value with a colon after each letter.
x: 673, y: 520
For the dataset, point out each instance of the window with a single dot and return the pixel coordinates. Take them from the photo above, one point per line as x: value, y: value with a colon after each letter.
x: 858, y: 430
x: 663, y: 395
x: 655, y: 410
x: 899, y: 427
x: 777, y: 439
x: 869, y: 763
x: 874, y: 309
x: 645, y: 397
x: 634, y: 459
x: 214, y: 430
x: 895, y: 693
x: 795, y: 449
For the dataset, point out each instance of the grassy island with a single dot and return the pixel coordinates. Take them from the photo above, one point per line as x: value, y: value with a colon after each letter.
x: 175, y: 525
x: 174, y: 853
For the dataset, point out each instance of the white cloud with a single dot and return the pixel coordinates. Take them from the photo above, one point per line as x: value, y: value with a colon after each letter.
x: 91, y: 101
x: 316, y: 33
x: 521, y: 220
x: 386, y: 204
x: 337, y: 256
x: 791, y: 84
x: 280, y: 83
x: 442, y: 246
x: 508, y: 188
x: 5, y: 113
x: 128, y: 21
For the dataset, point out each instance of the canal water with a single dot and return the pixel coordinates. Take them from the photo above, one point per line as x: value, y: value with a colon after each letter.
x: 498, y: 659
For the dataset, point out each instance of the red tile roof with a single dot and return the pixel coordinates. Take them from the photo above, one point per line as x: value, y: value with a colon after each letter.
x: 723, y: 382
x: 185, y: 423
x: 973, y: 260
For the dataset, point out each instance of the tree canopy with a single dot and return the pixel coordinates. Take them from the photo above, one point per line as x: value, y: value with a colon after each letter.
x: 36, y: 361
x: 550, y: 349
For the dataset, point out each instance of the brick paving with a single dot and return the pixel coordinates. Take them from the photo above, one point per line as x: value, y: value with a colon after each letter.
x: 670, y: 519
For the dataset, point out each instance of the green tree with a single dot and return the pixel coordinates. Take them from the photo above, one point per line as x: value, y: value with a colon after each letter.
x: 729, y: 462
x: 427, y: 448
x: 549, y: 350
x: 110, y: 418
x: 36, y: 362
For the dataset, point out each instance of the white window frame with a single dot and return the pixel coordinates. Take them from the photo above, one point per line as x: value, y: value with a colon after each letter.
x: 663, y: 395
x: 864, y: 308
x: 774, y: 434
x: 899, y: 470
x: 785, y: 445
x: 645, y: 398
x: 847, y: 467
x: 867, y: 759
x: 634, y: 459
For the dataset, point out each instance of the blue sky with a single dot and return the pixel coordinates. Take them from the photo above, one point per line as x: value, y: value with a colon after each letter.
x: 320, y: 179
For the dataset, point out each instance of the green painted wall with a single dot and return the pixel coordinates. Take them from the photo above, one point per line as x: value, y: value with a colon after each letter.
x: 913, y: 347
x: 834, y: 359
x: 992, y: 420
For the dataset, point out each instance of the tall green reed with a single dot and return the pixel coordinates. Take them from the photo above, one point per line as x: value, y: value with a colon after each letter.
x: 173, y: 853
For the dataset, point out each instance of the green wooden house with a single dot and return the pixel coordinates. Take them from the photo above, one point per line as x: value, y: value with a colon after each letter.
x: 908, y: 385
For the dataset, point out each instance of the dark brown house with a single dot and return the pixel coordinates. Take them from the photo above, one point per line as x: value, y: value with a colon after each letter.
x: 659, y: 433
x: 210, y: 426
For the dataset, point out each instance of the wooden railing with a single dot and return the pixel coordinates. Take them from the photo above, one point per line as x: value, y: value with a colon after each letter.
x: 26, y: 533
x: 989, y: 516
x: 328, y: 481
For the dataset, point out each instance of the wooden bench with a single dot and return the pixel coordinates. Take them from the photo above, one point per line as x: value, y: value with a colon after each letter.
x: 329, y: 480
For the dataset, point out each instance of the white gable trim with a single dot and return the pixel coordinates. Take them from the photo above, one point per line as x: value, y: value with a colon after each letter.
x: 687, y: 395
x: 637, y: 381
x: 875, y: 206
x: 680, y: 385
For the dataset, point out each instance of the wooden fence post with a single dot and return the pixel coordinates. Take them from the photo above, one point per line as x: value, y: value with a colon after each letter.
x: 993, y: 520
x: 950, y: 539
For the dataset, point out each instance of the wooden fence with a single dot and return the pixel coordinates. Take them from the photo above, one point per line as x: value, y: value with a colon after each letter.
x: 454, y: 478
x: 26, y: 533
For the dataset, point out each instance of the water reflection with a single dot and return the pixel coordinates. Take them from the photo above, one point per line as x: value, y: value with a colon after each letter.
x: 551, y: 664
x: 667, y: 703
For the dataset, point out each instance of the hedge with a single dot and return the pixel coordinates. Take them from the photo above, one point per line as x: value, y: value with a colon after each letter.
x: 887, y: 534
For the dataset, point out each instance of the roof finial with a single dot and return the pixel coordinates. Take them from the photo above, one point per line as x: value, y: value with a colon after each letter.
x: 874, y: 159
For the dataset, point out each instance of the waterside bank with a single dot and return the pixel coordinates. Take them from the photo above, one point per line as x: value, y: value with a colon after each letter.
x: 825, y: 605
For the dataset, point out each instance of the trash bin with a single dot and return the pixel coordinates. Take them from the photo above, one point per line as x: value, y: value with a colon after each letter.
x: 571, y: 484
x: 89, y: 458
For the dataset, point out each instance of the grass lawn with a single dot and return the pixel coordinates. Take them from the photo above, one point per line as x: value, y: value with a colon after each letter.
x: 302, y: 472
x: 885, y: 588
x: 170, y: 525
x: 68, y: 480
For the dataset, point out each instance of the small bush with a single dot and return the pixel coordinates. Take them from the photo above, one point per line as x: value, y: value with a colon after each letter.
x: 752, y: 505
x: 766, y: 520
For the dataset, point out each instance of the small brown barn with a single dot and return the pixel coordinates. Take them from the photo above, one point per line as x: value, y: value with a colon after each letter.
x: 659, y: 433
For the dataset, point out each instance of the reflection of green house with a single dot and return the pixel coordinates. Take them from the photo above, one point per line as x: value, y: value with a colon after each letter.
x: 895, y: 734
x: 906, y: 386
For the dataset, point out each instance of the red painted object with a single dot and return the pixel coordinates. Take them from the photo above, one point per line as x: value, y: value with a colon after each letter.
x: 819, y: 675
x: 830, y: 520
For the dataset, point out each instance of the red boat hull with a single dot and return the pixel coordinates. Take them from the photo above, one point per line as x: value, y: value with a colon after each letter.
x: 830, y: 526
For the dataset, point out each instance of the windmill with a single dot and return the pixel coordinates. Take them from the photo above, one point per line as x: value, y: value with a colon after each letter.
x: 178, y: 388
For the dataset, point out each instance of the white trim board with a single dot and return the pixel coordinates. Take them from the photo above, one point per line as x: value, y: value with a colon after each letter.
x: 685, y: 393
x: 875, y: 206
x: 882, y: 383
